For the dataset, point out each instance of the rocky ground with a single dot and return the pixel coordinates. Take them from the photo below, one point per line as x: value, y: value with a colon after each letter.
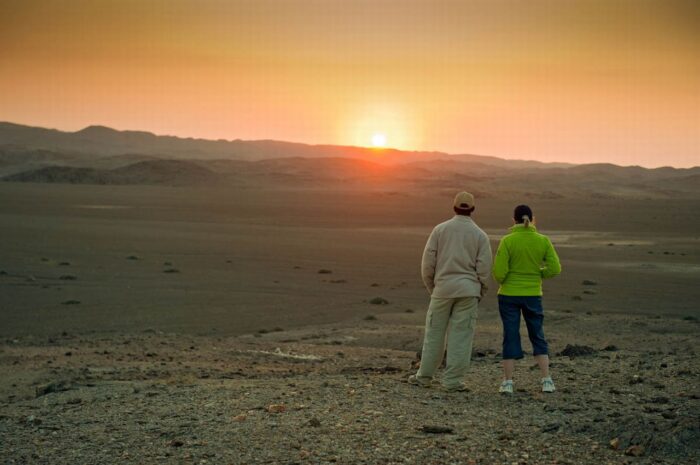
x: 338, y: 394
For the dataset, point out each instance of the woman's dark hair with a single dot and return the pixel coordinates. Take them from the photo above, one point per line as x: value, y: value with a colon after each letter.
x: 522, y: 214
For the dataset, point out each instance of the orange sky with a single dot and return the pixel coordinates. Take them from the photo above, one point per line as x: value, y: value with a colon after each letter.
x: 560, y: 80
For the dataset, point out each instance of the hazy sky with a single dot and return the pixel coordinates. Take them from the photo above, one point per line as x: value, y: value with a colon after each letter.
x: 559, y: 80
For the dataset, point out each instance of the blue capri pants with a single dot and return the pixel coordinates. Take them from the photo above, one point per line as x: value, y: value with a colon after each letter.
x: 510, y: 308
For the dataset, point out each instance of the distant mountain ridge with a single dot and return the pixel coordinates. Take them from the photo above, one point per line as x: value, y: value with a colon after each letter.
x: 101, y: 155
x: 100, y: 141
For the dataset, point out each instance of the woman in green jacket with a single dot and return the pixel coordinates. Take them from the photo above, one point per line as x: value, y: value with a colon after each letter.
x: 523, y: 259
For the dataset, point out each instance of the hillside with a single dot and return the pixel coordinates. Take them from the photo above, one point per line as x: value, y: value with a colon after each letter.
x: 101, y: 141
x: 100, y: 155
x: 166, y: 172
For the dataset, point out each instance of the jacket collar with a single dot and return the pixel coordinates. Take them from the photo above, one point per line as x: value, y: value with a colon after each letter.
x: 521, y: 228
x: 463, y: 218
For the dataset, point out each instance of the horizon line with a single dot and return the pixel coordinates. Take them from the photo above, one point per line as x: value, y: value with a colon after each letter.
x: 368, y: 148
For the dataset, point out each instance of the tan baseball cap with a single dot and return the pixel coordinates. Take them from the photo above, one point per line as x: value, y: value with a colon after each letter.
x: 464, y: 201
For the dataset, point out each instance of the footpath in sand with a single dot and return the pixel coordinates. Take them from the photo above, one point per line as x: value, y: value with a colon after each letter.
x: 338, y: 394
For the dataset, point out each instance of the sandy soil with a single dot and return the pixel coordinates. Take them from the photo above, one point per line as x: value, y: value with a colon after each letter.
x: 158, y: 325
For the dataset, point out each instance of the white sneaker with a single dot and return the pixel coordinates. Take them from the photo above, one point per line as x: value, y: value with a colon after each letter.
x: 506, y: 387
x: 548, y: 384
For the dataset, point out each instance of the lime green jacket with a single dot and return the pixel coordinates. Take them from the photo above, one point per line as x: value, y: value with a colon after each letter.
x: 523, y: 259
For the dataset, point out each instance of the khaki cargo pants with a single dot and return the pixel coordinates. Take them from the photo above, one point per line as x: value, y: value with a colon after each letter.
x: 454, y: 318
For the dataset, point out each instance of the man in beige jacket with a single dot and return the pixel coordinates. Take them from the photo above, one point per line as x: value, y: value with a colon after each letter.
x: 455, y: 269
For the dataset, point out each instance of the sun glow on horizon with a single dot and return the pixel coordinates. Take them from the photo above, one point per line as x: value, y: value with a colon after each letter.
x: 381, y: 125
x: 378, y: 140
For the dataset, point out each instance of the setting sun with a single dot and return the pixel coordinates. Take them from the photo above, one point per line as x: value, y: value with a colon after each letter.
x: 378, y: 140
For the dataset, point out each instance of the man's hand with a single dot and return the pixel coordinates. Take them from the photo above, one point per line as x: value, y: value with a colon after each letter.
x: 484, y: 291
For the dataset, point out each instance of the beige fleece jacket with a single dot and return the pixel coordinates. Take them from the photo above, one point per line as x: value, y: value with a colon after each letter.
x: 457, y: 259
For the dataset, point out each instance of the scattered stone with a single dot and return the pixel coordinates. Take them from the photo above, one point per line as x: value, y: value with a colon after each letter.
x: 315, y: 422
x: 577, y: 351
x: 176, y: 443
x: 431, y: 429
x: 68, y: 277
x: 32, y: 420
x: 337, y: 281
x: 610, y: 348
x: 241, y: 417
x: 589, y: 292
x: 167, y: 263
x: 133, y: 257
x: 635, y: 450
x: 370, y: 318
x: 659, y: 400
x: 408, y: 310
x: 276, y: 408
x: 551, y: 428
x: 374, y: 285
x: 577, y: 298
x: 636, y: 379
x: 70, y: 302
x: 689, y: 318
x: 64, y: 264
x: 171, y: 270
x: 615, y: 443
x: 58, y: 386
x: 379, y: 301
x: 324, y: 271
x: 3, y: 273
x: 588, y: 282
x: 381, y: 370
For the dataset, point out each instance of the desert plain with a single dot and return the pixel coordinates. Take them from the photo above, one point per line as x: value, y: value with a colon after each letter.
x: 277, y: 322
